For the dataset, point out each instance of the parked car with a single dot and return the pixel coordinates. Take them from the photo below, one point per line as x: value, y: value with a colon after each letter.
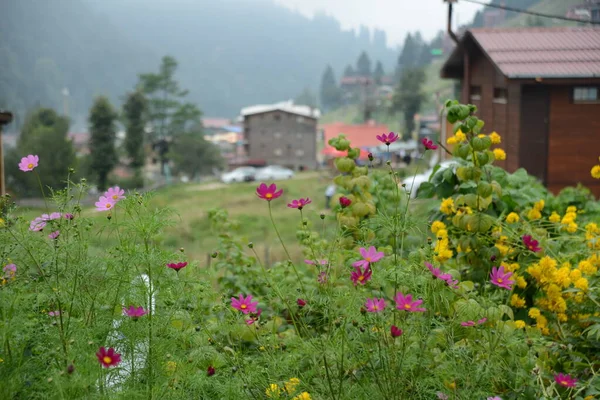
x: 241, y: 174
x: 273, y: 173
x: 413, y: 183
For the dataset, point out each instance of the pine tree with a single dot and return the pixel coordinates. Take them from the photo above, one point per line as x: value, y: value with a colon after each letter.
x: 102, y: 141
x: 379, y: 73
x: 349, y: 71
x: 134, y: 111
x: 330, y: 92
x: 408, y: 96
x: 363, y: 65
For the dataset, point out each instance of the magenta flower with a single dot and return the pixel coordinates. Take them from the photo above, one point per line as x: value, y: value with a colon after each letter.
x: 531, y: 244
x: 134, y: 312
x: 114, y: 194
x: 301, y: 303
x: 268, y: 192
x: 108, y: 358
x: 68, y: 216
x: 369, y: 256
x: 395, y: 331
x: 468, y: 323
x: 501, y: 278
x: 482, y: 321
x: 428, y: 144
x: 299, y: 204
x: 10, y: 270
x: 54, y: 313
x: 453, y: 283
x: 387, y: 139
x: 37, y: 224
x: 54, y: 235
x: 361, y: 276
x: 254, y: 316
x: 375, y: 305
x: 104, y: 204
x: 345, y: 202
x: 311, y: 262
x: 245, y: 305
x: 210, y: 371
x: 494, y: 398
x: 565, y: 380
x: 322, y: 277
x: 52, y: 217
x: 29, y: 163
x: 406, y: 303
x: 177, y: 266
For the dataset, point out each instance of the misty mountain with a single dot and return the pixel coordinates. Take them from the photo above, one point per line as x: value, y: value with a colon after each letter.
x: 231, y: 53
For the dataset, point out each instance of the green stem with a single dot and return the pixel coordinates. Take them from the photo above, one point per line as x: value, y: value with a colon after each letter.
x: 42, y: 189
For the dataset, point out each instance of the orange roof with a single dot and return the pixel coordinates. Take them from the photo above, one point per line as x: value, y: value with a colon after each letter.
x: 359, y: 135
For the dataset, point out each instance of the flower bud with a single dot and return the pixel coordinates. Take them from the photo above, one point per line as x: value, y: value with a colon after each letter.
x: 322, y: 216
x: 250, y: 245
x: 345, y: 202
x: 210, y: 371
x: 214, y: 254
x: 70, y: 369
x: 370, y: 156
x: 301, y: 303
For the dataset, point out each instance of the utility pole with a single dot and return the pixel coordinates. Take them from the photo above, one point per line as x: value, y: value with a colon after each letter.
x: 5, y: 118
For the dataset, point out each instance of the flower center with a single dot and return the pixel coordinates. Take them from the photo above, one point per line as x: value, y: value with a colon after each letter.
x: 108, y: 205
x: 407, y: 306
x: 361, y: 278
x: 115, y: 197
x: 30, y: 165
x: 564, y: 383
x: 375, y: 307
x: 368, y: 259
x: 269, y: 195
x: 499, y: 280
x: 243, y: 306
x: 107, y: 360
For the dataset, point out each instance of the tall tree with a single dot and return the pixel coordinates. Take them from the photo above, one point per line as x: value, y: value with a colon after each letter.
x: 168, y: 113
x: 409, y: 96
x: 134, y: 111
x: 363, y: 65
x: 349, y: 71
x: 45, y: 134
x: 306, y: 98
x: 409, y: 54
x: 330, y: 92
x: 193, y: 155
x: 379, y: 73
x: 102, y: 140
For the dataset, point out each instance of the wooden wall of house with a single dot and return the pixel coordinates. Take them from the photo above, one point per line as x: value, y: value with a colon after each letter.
x: 533, y: 138
x: 574, y: 141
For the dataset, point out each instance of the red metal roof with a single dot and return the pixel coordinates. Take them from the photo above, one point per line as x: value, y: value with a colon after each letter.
x: 558, y: 52
x: 359, y: 135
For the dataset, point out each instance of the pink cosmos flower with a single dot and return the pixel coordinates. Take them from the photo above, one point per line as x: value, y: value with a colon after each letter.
x: 29, y: 163
x: 37, y: 224
x: 299, y: 204
x: 442, y: 396
x: 428, y: 144
x: 531, y: 244
x: 245, y: 305
x: 361, y: 276
x: 468, y: 323
x: 437, y: 273
x: 104, y: 204
x: 482, y: 321
x: 177, y: 266
x: 301, y: 303
x: 565, y: 380
x: 10, y: 270
x: 268, y: 192
x: 54, y: 313
x: 453, y: 283
x: 375, y: 305
x: 369, y: 256
x: 68, y: 216
x: 345, y: 202
x: 406, y: 303
x: 114, y: 194
x: 387, y: 139
x: 52, y: 217
x: 494, y: 398
x: 108, y: 358
x: 54, y: 235
x: 395, y: 331
x: 322, y: 277
x: 311, y: 262
x: 134, y: 312
x: 501, y: 278
x: 254, y: 316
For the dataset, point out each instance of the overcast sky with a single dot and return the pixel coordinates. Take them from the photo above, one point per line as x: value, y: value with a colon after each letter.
x: 396, y: 17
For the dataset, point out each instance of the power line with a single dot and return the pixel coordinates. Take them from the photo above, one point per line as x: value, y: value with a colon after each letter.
x: 519, y: 10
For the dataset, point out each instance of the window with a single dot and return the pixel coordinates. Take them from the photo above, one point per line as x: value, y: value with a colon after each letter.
x: 277, y: 117
x: 298, y: 136
x: 277, y: 135
x: 500, y: 95
x: 475, y: 93
x: 299, y: 153
x: 585, y: 94
x: 278, y: 152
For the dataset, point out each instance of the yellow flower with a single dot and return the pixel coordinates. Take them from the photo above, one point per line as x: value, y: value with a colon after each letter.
x: 451, y: 140
x: 516, y: 301
x: 436, y: 226
x: 554, y: 217
x: 450, y: 385
x: 170, y: 367
x: 539, y: 205
x: 562, y: 317
x: 562, y: 278
x: 571, y: 209
x: 481, y: 135
x: 443, y: 255
x: 290, y: 386
x: 575, y: 275
x: 1, y: 222
x: 512, y: 218
x: 460, y: 136
x: 499, y: 154
x: 581, y: 283
x: 587, y: 268
x: 447, y: 206
x: 595, y: 171
x: 571, y: 227
x: 590, y: 397
x: 495, y: 138
x: 502, y: 248
x: 521, y: 282
x: 442, y: 234
x: 520, y: 324
x: 302, y: 396
x: 534, y: 313
x: 534, y: 214
x: 273, y: 390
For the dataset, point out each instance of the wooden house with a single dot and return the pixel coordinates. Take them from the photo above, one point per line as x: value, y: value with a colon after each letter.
x: 539, y: 88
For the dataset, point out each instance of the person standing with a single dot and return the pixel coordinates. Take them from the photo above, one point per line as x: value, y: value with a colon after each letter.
x: 329, y: 192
